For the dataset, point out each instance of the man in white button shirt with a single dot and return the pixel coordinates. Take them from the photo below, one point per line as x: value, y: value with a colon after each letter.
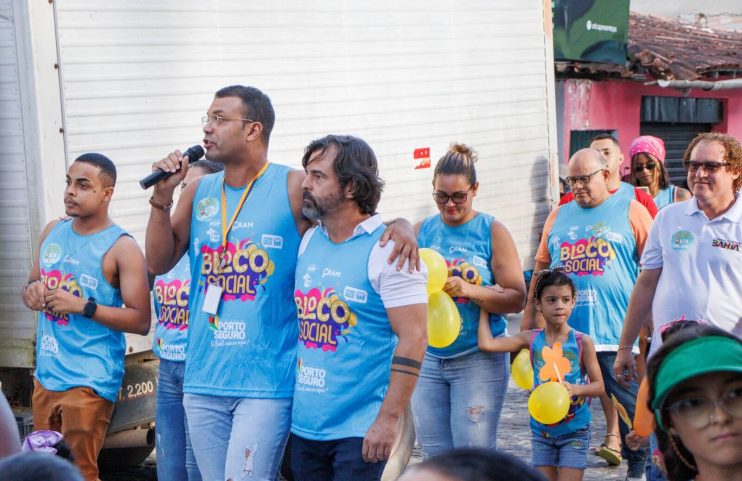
x: 692, y: 261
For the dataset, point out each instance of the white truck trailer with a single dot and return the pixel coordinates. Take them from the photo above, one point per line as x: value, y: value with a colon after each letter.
x: 132, y: 78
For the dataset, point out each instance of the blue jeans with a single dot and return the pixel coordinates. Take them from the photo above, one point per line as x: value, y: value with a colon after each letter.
x: 238, y: 438
x: 567, y: 451
x: 457, y: 402
x: 337, y: 460
x: 653, y: 471
x: 637, y: 460
x: 175, y: 460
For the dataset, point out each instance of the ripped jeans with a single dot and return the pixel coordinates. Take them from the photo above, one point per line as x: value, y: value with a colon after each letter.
x: 237, y: 438
x: 457, y: 402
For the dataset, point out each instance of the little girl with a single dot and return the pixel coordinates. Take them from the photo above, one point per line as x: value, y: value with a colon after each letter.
x: 559, y: 450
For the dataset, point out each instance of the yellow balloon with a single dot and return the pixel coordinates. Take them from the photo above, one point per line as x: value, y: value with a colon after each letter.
x: 549, y: 403
x: 437, y: 269
x: 444, y: 320
x: 522, y: 370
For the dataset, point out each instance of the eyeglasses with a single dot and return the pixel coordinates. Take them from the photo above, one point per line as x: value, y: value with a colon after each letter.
x: 708, y: 166
x: 459, y: 197
x: 648, y: 166
x: 697, y: 410
x: 582, y: 179
x: 218, y: 120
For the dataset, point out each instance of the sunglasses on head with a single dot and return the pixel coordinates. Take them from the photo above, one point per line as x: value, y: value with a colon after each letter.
x: 647, y: 166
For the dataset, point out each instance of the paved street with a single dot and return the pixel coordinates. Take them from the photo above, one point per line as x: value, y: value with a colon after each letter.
x: 514, y: 437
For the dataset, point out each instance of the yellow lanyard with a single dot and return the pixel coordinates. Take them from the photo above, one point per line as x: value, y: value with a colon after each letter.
x: 226, y: 228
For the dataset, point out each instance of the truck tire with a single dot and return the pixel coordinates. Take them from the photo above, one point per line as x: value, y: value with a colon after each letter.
x: 112, y: 460
x: 401, y: 451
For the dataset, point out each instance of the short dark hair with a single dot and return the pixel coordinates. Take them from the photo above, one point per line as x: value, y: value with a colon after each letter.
x: 355, y: 163
x: 255, y: 106
x: 675, y: 461
x: 106, y: 166
x: 208, y: 166
x: 605, y: 136
x: 33, y: 466
x: 459, y: 160
x: 552, y: 278
x: 478, y: 464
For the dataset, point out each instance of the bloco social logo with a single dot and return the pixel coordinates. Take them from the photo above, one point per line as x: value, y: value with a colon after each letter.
x: 246, y: 267
x: 461, y: 268
x: 586, y: 256
x: 57, y: 280
x: 173, y: 299
x: 323, y: 318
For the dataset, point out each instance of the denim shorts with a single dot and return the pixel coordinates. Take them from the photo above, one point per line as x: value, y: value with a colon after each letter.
x: 567, y: 451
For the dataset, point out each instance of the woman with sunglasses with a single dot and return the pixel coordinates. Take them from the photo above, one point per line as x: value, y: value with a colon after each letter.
x: 695, y: 392
x: 648, y: 170
x: 461, y: 390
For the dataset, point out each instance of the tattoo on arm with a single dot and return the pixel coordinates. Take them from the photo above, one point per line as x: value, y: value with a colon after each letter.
x: 405, y: 365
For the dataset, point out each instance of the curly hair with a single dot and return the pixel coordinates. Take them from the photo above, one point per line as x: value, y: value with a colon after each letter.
x: 732, y: 152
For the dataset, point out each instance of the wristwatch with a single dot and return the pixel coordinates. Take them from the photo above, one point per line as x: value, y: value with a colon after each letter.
x: 90, y: 307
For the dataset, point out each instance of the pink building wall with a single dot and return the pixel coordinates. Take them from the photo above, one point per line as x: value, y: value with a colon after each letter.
x: 616, y: 105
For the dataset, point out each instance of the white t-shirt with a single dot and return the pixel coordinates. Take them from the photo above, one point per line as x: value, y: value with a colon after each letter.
x: 701, y: 262
x: 396, y: 288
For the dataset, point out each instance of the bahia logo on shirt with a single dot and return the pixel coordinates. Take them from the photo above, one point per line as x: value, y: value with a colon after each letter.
x: 324, y: 319
x: 206, y: 209
x: 246, y: 268
x: 586, y: 257
x: 57, y: 280
x: 51, y: 255
x: 173, y: 299
x: 310, y: 378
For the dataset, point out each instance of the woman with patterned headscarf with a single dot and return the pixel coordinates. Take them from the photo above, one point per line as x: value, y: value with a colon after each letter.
x: 648, y: 170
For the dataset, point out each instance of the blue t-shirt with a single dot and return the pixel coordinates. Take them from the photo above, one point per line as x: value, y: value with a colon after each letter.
x: 170, y: 294
x: 72, y: 350
x: 467, y: 249
x: 248, y: 349
x: 345, y: 342
x: 578, y: 416
x: 597, y: 250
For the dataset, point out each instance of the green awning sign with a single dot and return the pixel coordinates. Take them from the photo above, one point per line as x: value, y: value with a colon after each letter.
x: 591, y: 30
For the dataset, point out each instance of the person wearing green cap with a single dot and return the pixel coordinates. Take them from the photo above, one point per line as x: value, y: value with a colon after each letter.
x: 695, y: 393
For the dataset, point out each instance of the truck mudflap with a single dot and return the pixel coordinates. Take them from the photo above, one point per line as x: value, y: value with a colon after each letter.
x: 136, y: 401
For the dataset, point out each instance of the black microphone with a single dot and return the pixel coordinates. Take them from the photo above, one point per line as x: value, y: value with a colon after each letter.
x: 193, y: 154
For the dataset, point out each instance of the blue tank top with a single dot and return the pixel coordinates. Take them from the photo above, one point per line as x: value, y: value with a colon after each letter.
x: 578, y: 416
x: 345, y: 342
x: 626, y: 191
x: 72, y: 350
x: 248, y: 349
x: 467, y: 249
x: 170, y: 294
x: 597, y: 250
x: 665, y: 197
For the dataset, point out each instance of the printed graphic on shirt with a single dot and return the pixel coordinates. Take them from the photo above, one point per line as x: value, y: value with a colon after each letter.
x: 586, y: 257
x: 206, y: 209
x: 682, y: 240
x: 52, y: 253
x: 725, y: 244
x: 324, y: 318
x: 227, y: 332
x: 246, y: 268
x: 173, y: 299
x: 310, y: 379
x: 57, y: 280
x: 171, y: 352
x: 463, y: 269
x: 49, y: 346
